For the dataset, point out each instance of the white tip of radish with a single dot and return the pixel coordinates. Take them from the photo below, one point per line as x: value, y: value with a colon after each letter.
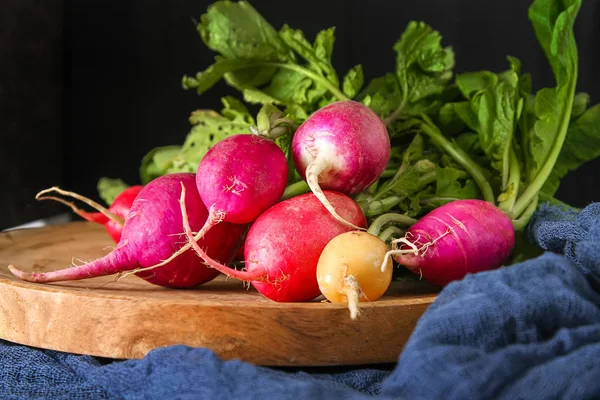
x: 313, y: 170
x: 353, y: 292
x: 26, y: 276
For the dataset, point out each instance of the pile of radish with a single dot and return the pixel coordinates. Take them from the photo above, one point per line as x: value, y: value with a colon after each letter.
x: 181, y: 230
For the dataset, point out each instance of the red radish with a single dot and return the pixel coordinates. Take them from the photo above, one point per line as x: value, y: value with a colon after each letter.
x: 283, y: 245
x: 237, y: 179
x: 112, y: 218
x: 460, y: 237
x: 152, y: 232
x: 344, y: 147
x: 349, y: 269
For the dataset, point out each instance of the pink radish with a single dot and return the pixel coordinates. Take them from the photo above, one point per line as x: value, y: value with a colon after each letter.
x: 283, y: 245
x: 152, y: 232
x: 237, y: 179
x: 343, y: 146
x: 460, y: 237
x: 112, y: 218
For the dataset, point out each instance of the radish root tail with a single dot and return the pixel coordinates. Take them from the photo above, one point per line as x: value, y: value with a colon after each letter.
x: 313, y: 170
x: 238, y: 274
x: 89, y: 202
x: 353, y: 292
x: 413, y: 250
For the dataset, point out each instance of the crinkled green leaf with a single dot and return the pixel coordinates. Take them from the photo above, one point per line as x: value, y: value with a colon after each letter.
x: 470, y: 83
x: 353, y: 81
x: 581, y: 145
x: 492, y: 111
x: 289, y: 87
x: 382, y: 94
x: 553, y: 21
x: 109, y: 188
x: 318, y: 55
x: 237, y: 31
x: 208, y: 127
x: 449, y: 184
x: 157, y: 162
x: 581, y: 102
x: 423, y: 66
x: 235, y: 110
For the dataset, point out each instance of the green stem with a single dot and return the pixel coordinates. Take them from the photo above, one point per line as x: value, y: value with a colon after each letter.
x: 506, y: 204
x: 379, y: 206
x: 396, y: 113
x: 460, y: 157
x: 295, y: 189
x: 432, y: 199
x: 389, y: 232
x: 426, y: 179
x: 536, y: 184
x: 521, y: 223
x: 384, y: 219
x: 388, y: 173
x: 314, y: 76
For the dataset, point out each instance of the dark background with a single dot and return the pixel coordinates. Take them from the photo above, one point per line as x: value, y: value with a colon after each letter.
x: 88, y: 87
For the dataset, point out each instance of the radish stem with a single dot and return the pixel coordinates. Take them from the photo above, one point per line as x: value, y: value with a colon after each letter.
x: 460, y: 157
x: 384, y: 219
x: 389, y: 232
x: 313, y: 170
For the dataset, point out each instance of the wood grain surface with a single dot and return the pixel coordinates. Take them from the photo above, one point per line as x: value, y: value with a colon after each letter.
x: 130, y: 317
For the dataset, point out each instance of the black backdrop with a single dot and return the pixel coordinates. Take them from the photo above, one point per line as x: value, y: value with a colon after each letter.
x: 87, y: 87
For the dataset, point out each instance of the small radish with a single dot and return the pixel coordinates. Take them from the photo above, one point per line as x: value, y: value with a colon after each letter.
x: 349, y: 269
x: 344, y: 147
x: 237, y: 179
x: 457, y: 238
x: 283, y: 245
x: 152, y: 232
x: 112, y: 218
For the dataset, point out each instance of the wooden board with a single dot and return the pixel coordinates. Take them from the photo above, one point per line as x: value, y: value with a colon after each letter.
x: 130, y: 317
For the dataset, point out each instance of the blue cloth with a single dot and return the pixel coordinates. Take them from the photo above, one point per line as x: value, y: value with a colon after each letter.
x: 528, y: 331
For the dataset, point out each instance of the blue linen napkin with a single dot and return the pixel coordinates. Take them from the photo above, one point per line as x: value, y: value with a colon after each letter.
x: 528, y: 331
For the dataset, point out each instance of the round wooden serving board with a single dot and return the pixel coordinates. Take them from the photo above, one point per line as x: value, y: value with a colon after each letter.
x: 128, y: 318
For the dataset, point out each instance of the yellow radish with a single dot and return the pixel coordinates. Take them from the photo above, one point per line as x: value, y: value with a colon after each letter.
x: 349, y: 269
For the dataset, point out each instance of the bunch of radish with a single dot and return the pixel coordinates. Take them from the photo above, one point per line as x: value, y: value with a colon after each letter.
x: 182, y: 230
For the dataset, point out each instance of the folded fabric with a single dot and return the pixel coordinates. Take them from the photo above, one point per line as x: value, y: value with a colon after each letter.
x: 528, y: 331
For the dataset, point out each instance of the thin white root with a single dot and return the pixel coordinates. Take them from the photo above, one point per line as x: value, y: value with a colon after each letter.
x: 313, y: 170
x: 353, y: 292
x: 89, y: 202
x: 413, y: 250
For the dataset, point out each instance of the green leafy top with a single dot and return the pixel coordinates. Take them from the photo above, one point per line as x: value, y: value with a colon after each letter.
x: 477, y: 134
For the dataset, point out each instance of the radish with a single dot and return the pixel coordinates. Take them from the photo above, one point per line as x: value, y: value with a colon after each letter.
x: 284, y: 243
x: 237, y: 179
x: 112, y: 218
x: 152, y: 232
x: 457, y: 238
x: 349, y: 269
x: 344, y: 147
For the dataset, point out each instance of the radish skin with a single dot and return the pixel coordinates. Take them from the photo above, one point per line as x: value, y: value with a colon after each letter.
x: 153, y: 230
x: 453, y: 240
x: 112, y: 218
x: 282, y: 247
x: 349, y: 269
x: 237, y: 179
x: 285, y: 242
x: 343, y: 147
